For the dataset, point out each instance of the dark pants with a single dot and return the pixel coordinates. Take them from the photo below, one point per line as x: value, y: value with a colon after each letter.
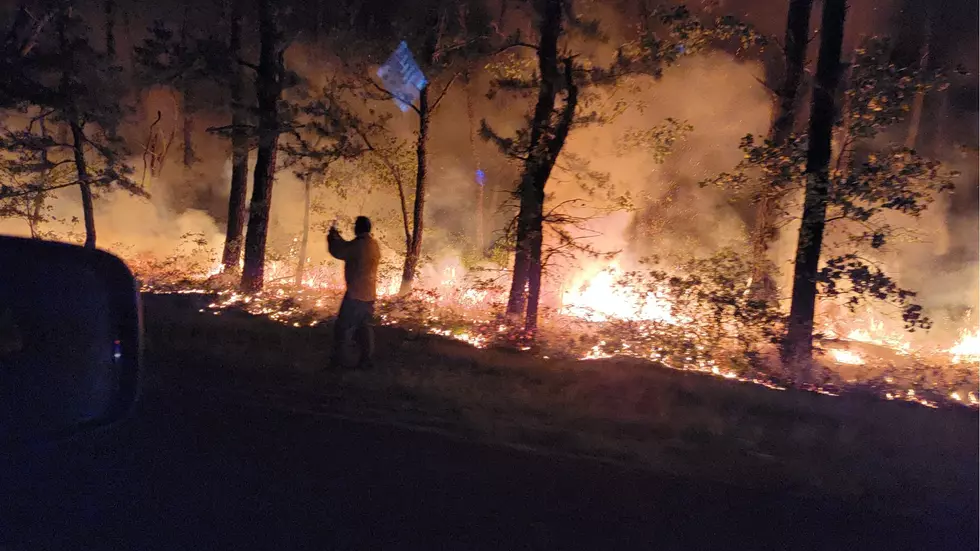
x: 356, y: 317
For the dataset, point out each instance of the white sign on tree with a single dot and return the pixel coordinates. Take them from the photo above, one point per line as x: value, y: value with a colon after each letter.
x: 402, y: 77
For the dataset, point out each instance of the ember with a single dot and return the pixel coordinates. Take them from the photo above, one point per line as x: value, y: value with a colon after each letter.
x: 848, y: 357
x: 456, y: 306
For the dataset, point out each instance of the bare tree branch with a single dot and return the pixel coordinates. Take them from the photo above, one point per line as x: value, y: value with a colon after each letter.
x: 244, y: 63
x: 391, y: 96
x: 10, y: 195
x: 449, y: 85
x: 228, y: 127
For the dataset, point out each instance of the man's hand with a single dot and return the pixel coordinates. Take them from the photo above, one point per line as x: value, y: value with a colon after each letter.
x: 336, y: 245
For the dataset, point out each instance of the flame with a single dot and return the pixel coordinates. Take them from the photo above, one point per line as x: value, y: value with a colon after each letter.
x: 871, y: 329
x: 476, y: 341
x: 453, y: 306
x: 847, y: 357
x: 601, y: 297
x: 967, y: 348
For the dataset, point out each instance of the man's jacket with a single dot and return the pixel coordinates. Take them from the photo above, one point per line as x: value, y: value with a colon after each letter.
x: 361, y: 257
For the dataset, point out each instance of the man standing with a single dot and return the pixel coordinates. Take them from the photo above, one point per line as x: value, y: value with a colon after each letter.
x: 361, y: 256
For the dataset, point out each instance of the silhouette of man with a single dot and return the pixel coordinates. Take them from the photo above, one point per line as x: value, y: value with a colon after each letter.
x: 361, y: 256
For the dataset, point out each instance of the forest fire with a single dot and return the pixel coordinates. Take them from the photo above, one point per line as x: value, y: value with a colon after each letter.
x: 630, y: 160
x: 458, y: 307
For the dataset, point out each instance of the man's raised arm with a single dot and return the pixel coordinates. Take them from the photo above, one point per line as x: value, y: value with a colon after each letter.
x: 338, y: 247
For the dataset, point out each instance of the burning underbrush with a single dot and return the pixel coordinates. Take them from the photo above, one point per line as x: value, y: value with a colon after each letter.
x: 696, y: 316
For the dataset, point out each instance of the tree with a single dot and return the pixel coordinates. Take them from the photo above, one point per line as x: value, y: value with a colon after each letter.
x: 186, y: 64
x: 666, y: 35
x: 162, y: 60
x: 920, y: 97
x: 447, y: 37
x: 23, y: 35
x: 794, y: 50
x: 74, y: 87
x: 187, y: 112
x: 29, y: 177
x: 714, y: 321
x: 324, y: 132
x: 270, y: 74
x: 855, y: 193
x: 232, y: 252
x: 391, y: 160
x: 110, y: 28
x: 548, y: 132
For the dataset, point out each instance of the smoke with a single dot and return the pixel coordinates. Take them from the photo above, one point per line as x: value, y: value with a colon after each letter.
x: 722, y: 99
x: 719, y: 95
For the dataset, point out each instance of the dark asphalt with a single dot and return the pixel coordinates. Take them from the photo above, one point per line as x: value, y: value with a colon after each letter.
x: 204, y: 470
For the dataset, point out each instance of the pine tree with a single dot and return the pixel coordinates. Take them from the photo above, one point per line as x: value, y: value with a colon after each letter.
x: 269, y: 78
x: 77, y: 88
x: 783, y: 123
x: 850, y: 183
x: 445, y: 38
x: 665, y: 36
x: 232, y: 253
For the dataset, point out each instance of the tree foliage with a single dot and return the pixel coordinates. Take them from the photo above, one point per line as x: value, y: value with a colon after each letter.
x: 75, y: 93
x: 711, y: 319
x: 867, y: 183
x: 665, y: 35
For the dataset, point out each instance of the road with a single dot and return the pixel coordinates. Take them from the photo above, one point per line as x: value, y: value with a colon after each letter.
x: 206, y: 469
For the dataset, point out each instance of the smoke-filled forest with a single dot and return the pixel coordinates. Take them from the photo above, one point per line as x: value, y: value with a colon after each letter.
x: 784, y: 193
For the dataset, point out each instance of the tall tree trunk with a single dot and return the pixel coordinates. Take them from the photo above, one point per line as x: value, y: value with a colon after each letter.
x: 232, y: 253
x: 436, y: 22
x: 37, y: 201
x: 414, y: 251
x: 305, y: 238
x: 78, y: 148
x: 550, y: 30
x: 522, y: 249
x: 187, y: 122
x: 268, y: 85
x: 534, y: 271
x: 404, y: 207
x: 798, y: 344
x: 110, y: 28
x: 842, y: 133
x: 797, y: 38
x: 76, y: 127
x: 555, y: 145
x: 920, y: 96
x: 187, y: 127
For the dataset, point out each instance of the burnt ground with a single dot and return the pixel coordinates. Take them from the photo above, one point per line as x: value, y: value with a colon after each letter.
x: 241, y: 442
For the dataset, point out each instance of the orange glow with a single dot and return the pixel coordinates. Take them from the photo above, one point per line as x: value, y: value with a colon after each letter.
x: 846, y: 357
x: 448, y: 303
x: 967, y: 349
x: 600, y: 297
x: 870, y: 328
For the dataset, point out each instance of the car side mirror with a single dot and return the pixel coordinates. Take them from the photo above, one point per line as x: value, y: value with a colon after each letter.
x: 70, y: 339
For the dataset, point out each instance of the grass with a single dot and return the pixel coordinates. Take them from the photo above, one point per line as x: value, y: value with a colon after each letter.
x: 898, y: 455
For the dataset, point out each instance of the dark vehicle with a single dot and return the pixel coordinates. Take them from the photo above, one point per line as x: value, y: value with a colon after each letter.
x: 70, y: 339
